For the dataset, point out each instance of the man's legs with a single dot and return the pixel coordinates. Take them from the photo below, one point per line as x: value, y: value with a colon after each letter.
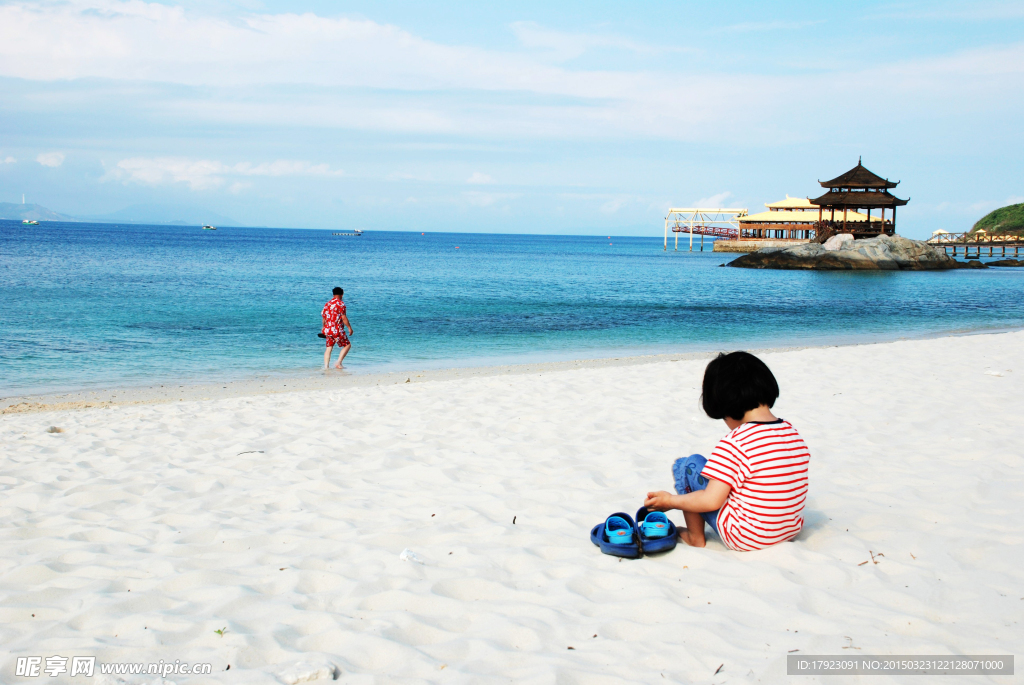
x: 327, y: 355
x: 343, y: 353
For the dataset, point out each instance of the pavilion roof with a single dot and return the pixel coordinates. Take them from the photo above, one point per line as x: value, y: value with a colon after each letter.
x: 866, y: 199
x: 859, y: 177
x: 791, y: 203
x: 793, y: 217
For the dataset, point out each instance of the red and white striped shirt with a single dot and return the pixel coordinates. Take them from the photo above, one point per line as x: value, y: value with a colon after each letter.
x: 765, y: 464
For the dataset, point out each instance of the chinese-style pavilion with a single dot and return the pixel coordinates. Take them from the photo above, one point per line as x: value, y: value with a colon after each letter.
x: 857, y: 189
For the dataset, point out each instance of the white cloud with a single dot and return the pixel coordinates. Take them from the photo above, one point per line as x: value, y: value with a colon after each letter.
x: 52, y: 159
x: 715, y: 201
x: 479, y: 179
x: 612, y: 206
x: 150, y: 41
x: 284, y: 168
x: 9, y: 160
x: 138, y: 41
x: 1014, y: 200
x: 566, y: 45
x: 206, y: 174
x: 395, y: 72
x: 141, y: 41
x: 199, y: 175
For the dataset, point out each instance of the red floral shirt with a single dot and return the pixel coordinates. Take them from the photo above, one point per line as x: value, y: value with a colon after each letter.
x: 332, y: 318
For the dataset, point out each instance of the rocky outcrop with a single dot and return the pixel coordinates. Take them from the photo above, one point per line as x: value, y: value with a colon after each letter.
x: 836, y: 242
x: 888, y: 253
x: 1007, y: 262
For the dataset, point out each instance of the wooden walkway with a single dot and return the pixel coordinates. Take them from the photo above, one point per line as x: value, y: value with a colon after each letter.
x: 965, y: 243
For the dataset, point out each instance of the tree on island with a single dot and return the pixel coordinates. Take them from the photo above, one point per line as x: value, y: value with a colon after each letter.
x: 1007, y: 220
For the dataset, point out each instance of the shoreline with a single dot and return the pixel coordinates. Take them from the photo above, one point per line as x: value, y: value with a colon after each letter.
x: 334, y: 380
x: 317, y: 380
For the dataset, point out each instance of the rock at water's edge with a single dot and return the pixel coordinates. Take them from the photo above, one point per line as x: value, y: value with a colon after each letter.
x: 837, y: 241
x: 887, y: 253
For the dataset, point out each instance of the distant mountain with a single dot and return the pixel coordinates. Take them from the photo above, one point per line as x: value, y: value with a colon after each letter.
x: 1007, y: 220
x: 9, y: 210
x: 164, y: 215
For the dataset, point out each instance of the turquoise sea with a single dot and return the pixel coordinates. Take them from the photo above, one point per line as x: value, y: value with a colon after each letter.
x: 101, y: 305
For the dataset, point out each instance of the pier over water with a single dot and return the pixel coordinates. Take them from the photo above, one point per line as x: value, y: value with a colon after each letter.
x: 978, y: 241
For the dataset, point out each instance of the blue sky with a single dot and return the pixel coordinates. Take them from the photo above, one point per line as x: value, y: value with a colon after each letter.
x: 510, y: 117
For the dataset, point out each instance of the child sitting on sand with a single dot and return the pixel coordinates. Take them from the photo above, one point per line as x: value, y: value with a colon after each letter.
x: 752, y: 490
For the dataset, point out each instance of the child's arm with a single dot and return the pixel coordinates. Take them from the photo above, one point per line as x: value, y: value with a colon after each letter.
x: 710, y: 499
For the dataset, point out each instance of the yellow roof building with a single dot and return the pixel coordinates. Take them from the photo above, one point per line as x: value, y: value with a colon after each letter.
x: 792, y: 210
x: 791, y: 203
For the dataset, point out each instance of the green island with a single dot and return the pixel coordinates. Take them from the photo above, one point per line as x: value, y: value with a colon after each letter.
x: 1007, y: 220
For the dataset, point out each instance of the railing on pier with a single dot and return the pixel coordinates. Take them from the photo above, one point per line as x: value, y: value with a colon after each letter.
x: 966, y: 241
x: 717, y: 231
x: 718, y: 222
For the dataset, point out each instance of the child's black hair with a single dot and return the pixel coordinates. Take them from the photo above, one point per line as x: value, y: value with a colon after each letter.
x: 735, y: 383
x: 338, y: 291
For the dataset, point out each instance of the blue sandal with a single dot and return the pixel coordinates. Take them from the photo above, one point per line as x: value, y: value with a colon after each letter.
x: 617, y: 536
x: 657, y: 532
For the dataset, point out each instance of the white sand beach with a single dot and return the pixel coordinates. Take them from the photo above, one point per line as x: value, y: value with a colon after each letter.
x: 280, y: 519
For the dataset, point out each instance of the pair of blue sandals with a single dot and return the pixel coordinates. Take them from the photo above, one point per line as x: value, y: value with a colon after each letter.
x: 621, y: 536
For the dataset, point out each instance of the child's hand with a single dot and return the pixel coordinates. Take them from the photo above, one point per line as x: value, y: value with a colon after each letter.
x: 659, y: 501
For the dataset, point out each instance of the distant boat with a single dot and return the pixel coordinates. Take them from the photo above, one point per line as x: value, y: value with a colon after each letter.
x: 209, y: 228
x: 30, y: 222
x: 355, y: 232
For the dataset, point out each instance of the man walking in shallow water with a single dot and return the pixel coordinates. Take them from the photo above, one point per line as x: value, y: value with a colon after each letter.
x: 335, y: 322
